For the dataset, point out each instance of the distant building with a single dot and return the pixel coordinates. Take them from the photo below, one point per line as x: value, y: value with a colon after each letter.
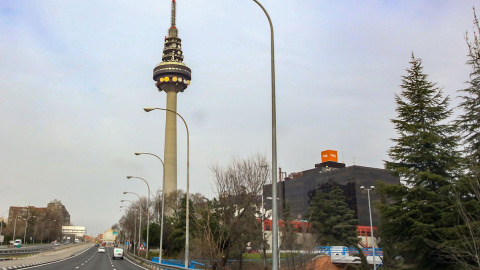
x: 41, y: 223
x: 74, y: 232
x: 299, y: 188
x: 58, y: 207
x: 110, y: 235
x: 55, y: 210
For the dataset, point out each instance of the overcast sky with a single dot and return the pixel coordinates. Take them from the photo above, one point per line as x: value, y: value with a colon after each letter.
x: 75, y: 75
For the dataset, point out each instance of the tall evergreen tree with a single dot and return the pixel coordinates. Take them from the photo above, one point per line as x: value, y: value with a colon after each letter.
x: 177, y: 237
x: 425, y: 157
x: 469, y: 121
x: 465, y: 249
x: 332, y: 220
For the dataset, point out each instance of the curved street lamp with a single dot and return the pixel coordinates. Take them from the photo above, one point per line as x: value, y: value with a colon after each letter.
x: 163, y: 203
x: 187, y: 226
x: 140, y: 223
x: 371, y: 224
x: 148, y: 209
x: 25, y: 233
x: 275, y: 255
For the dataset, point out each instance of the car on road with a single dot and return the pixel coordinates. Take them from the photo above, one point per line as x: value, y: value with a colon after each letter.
x: 101, y: 250
x: 97, y: 244
x: 17, y: 243
x: 56, y: 244
x: 117, y: 253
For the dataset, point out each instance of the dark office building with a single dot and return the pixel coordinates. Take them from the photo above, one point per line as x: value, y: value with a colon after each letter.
x: 298, y: 189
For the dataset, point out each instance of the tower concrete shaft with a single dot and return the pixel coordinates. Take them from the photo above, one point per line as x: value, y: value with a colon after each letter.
x: 171, y: 76
x: 170, y: 150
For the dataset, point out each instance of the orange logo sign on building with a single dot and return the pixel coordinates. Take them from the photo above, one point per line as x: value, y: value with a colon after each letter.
x: 329, y: 155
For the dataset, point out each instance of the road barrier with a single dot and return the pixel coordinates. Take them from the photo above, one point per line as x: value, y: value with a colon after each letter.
x: 154, y: 265
x: 9, y: 254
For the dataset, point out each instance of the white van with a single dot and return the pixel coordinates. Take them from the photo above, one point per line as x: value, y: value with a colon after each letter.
x: 17, y: 243
x: 118, y: 253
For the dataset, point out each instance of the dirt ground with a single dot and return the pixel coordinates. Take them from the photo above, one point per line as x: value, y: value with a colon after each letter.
x: 322, y: 263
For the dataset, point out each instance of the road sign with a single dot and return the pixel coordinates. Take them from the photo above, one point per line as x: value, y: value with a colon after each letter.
x: 142, y: 247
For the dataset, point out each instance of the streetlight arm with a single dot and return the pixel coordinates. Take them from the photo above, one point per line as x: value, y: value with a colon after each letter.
x: 148, y: 109
x: 148, y: 186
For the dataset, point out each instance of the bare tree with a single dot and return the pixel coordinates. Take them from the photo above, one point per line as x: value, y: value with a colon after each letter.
x: 464, y: 250
x: 226, y: 223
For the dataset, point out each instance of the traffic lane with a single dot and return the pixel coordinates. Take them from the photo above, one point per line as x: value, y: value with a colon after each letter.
x: 91, y: 260
x: 79, y: 260
x: 125, y: 264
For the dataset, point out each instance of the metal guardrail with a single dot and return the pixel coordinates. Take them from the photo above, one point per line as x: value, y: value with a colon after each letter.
x: 348, y: 251
x: 153, y: 265
x: 21, y: 251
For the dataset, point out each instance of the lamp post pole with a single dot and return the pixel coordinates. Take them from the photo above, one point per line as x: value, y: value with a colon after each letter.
x: 140, y: 222
x: 275, y: 255
x: 187, y: 225
x: 148, y: 209
x: 15, y: 227
x: 25, y: 233
x: 163, y: 203
x: 371, y: 223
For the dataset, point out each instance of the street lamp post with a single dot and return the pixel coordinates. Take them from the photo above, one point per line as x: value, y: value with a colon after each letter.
x: 140, y: 222
x: 163, y: 203
x: 50, y: 229
x: 25, y: 233
x: 148, y: 209
x: 187, y: 225
x: 371, y: 223
x: 15, y: 227
x: 275, y: 255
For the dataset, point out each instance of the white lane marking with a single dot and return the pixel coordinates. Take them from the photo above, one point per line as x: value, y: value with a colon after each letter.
x: 135, y: 264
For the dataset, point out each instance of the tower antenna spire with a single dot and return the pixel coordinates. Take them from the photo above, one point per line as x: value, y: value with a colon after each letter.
x: 174, y: 12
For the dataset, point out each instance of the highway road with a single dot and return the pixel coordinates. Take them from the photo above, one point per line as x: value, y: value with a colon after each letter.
x: 91, y: 260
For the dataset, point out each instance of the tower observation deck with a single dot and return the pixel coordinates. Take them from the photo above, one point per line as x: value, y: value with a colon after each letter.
x: 171, y: 76
x: 172, y: 70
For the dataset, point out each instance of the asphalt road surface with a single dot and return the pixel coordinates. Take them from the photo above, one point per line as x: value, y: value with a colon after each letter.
x: 91, y: 260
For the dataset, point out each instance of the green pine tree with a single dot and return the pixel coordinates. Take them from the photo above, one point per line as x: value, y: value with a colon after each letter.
x: 176, y: 239
x: 331, y: 219
x: 465, y: 247
x: 469, y: 121
x: 424, y: 156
